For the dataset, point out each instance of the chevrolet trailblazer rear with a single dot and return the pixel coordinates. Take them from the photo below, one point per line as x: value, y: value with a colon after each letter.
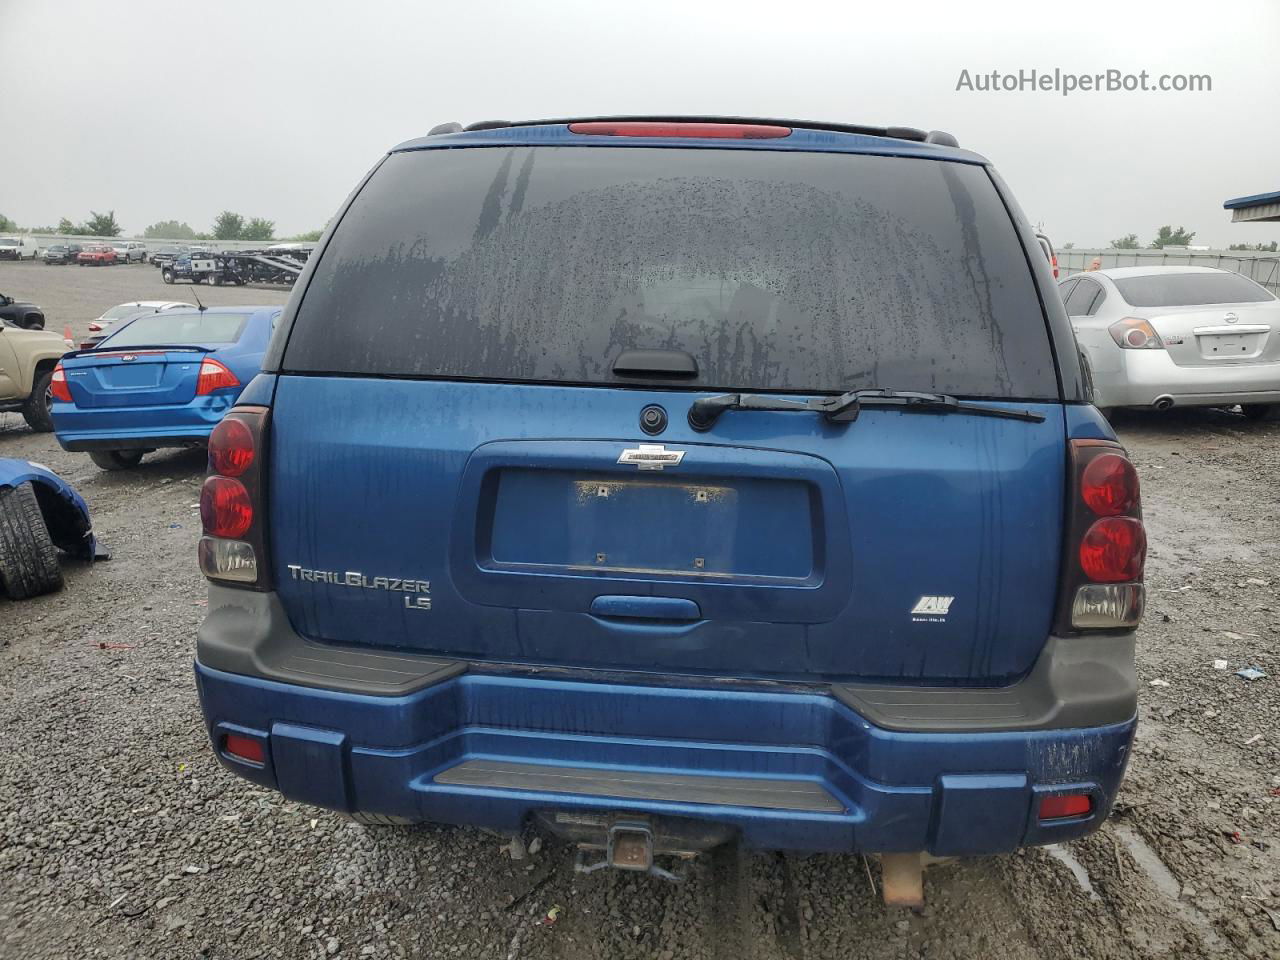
x: 670, y: 483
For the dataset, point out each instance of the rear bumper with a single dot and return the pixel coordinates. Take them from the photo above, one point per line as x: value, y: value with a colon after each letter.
x: 788, y: 770
x: 133, y: 428
x: 786, y: 766
x: 1137, y: 378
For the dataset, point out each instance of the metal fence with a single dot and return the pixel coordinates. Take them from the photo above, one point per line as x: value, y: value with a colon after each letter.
x: 1262, y: 268
x: 45, y: 240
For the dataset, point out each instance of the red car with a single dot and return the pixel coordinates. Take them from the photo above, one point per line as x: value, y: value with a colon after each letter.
x: 96, y: 255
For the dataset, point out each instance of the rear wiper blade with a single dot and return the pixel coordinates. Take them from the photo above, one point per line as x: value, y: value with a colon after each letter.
x: 845, y: 408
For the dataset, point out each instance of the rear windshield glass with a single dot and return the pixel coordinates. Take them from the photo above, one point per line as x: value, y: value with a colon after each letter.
x: 179, y: 328
x: 126, y: 310
x: 775, y: 270
x: 1190, y: 289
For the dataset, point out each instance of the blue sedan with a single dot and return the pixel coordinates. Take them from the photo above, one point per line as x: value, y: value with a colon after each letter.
x: 161, y: 380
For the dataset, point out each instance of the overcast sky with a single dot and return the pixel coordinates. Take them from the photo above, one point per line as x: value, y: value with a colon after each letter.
x: 275, y: 109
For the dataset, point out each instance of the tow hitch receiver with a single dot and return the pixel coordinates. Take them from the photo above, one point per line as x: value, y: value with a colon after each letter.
x: 629, y: 847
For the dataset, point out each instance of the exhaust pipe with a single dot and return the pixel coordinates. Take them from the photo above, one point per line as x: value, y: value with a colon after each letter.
x: 1162, y: 402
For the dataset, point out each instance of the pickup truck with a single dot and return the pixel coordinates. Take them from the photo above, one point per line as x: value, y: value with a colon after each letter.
x: 27, y: 360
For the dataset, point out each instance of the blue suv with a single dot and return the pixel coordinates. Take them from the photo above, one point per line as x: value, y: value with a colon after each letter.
x: 672, y: 482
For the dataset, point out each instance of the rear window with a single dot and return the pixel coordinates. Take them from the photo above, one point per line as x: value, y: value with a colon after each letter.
x: 776, y: 270
x: 125, y: 310
x: 173, y: 328
x: 1190, y: 289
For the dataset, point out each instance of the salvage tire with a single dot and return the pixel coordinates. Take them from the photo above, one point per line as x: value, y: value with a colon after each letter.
x: 116, y: 459
x: 28, y: 558
x: 1260, y: 411
x: 37, y: 411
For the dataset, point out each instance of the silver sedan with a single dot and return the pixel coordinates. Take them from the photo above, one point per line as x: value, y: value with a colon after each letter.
x: 1160, y: 337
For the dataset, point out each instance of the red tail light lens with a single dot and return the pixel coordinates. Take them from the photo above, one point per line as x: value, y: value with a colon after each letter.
x: 651, y: 128
x: 58, y: 385
x: 230, y: 448
x: 1106, y: 545
x: 225, y: 508
x: 1113, y: 550
x: 1109, y: 485
x: 233, y: 551
x: 244, y: 748
x: 1066, y: 805
x: 214, y: 376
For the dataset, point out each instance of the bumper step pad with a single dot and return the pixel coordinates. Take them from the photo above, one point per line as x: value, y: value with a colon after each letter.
x: 767, y: 793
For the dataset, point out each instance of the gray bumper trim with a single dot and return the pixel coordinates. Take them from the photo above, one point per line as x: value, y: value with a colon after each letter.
x: 1076, y: 682
x: 249, y: 633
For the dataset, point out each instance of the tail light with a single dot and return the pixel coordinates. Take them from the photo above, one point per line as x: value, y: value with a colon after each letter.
x: 652, y: 128
x: 95, y: 327
x: 1106, y: 544
x: 1054, y: 262
x: 1134, y: 333
x: 214, y: 376
x: 58, y: 385
x: 233, y: 550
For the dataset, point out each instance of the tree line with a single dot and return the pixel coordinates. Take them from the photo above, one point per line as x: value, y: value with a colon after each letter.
x: 228, y: 225
x: 1167, y: 236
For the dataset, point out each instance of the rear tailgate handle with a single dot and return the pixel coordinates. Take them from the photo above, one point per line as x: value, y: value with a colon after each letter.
x: 645, y: 608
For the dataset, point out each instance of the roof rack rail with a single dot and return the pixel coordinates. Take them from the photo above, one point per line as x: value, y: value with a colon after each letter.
x: 938, y: 137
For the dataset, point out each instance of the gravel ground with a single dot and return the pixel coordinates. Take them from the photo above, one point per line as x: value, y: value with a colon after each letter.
x: 120, y: 836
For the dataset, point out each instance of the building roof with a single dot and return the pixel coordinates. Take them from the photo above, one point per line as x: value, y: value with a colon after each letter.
x: 1259, y: 208
x: 1257, y: 200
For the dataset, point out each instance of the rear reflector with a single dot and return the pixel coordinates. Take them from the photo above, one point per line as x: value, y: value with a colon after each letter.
x: 244, y: 748
x: 1065, y: 805
x: 225, y: 508
x: 228, y: 560
x: 58, y: 385
x: 214, y: 376
x: 650, y: 128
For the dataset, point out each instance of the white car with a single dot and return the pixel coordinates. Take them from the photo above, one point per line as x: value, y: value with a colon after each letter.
x: 18, y: 248
x: 100, y: 327
x: 1160, y: 337
x: 129, y: 251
